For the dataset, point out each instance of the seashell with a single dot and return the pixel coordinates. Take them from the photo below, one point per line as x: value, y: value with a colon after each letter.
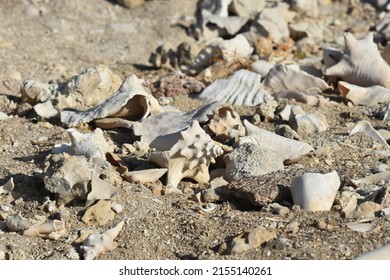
x: 286, y: 149
x: 132, y: 100
x: 242, y: 88
x: 307, y: 123
x: 386, y: 114
x: 369, y: 96
x: 111, y: 123
x: 366, y: 127
x: 290, y: 78
x: 356, y: 64
x: 100, y: 189
x: 46, y: 110
x: 189, y: 157
x: 36, y: 92
x: 362, y: 226
x: 155, y: 130
x: 97, y: 244
x: 235, y: 49
x: 382, y: 253
x: 372, y: 179
x: 208, y: 208
x: 261, y: 67
x: 90, y: 145
x: 271, y: 22
x: 144, y: 176
x: 314, y: 191
x: 246, y: 8
x: 225, y: 125
x: 7, y: 187
x: 54, y: 229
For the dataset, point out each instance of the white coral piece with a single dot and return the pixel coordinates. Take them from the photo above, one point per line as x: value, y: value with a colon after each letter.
x: 189, y: 157
x: 97, y: 244
x: 361, y: 63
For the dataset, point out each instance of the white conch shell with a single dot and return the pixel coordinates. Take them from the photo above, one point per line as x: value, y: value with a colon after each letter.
x: 369, y: 96
x: 97, y: 244
x: 314, y: 191
x: 242, y: 88
x: 189, y: 157
x: 286, y: 149
x: 53, y: 230
x: 382, y: 253
x: 366, y: 127
x: 132, y: 100
x: 290, y: 78
x: 7, y: 187
x: 361, y: 63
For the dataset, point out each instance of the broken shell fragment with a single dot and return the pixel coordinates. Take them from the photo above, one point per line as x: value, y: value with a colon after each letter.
x: 144, y: 176
x: 7, y: 187
x: 372, y: 179
x: 286, y: 149
x: 368, y: 96
x: 54, y: 229
x: 132, y: 100
x: 307, y: 123
x: 45, y: 110
x: 361, y: 63
x: 382, y: 253
x: 97, y: 244
x: 189, y: 156
x: 366, y: 127
x: 242, y: 88
x: 314, y: 191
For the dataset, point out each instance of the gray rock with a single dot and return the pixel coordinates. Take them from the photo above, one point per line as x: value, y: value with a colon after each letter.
x: 250, y: 160
x: 307, y: 123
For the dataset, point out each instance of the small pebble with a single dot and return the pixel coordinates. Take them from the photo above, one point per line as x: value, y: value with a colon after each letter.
x: 116, y: 207
x: 5, y: 207
x: 72, y: 254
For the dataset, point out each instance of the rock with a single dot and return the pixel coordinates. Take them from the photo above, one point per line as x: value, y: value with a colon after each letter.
x: 250, y: 160
x: 216, y: 190
x: 307, y: 123
x: 286, y: 131
x: 367, y: 209
x: 267, y: 109
x: 348, y: 202
x: 17, y: 222
x: 386, y: 212
x: 2, y: 255
x: 249, y: 239
x: 315, y: 191
x: 278, y: 209
x: 384, y: 197
x: 322, y: 224
x: 100, y: 213
x: 72, y: 254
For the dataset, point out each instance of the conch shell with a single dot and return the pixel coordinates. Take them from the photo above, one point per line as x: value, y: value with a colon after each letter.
x: 189, y: 157
x: 132, y: 100
x: 369, y: 96
x: 97, y: 244
x: 53, y: 230
x: 361, y: 63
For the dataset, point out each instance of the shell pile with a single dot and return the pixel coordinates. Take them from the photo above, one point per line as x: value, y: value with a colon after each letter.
x: 264, y: 110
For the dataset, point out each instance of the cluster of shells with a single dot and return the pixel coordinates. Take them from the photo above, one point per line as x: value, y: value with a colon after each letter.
x: 254, y: 67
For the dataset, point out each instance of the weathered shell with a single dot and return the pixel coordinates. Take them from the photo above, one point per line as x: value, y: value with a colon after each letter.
x: 314, y: 191
x: 7, y: 187
x: 361, y: 63
x: 382, y: 253
x: 189, y: 157
x: 307, y: 123
x: 373, y: 179
x: 286, y: 149
x: 52, y: 230
x: 144, y: 176
x: 97, y: 244
x: 369, y: 96
x: 242, y: 88
x: 154, y: 129
x: 132, y: 100
x: 366, y: 127
x: 386, y: 113
x: 290, y: 78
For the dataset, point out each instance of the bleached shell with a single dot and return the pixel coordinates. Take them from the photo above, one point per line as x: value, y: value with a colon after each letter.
x: 282, y: 78
x: 45, y: 110
x: 314, y: 191
x: 286, y: 149
x: 242, y: 88
x: 369, y: 96
x: 366, y: 127
x: 97, y: 244
x: 144, y: 176
x: 189, y: 157
x: 155, y: 130
x: 53, y: 230
x: 361, y: 63
x: 372, y: 179
x: 90, y: 145
x: 226, y: 124
x: 132, y: 100
x: 262, y: 67
x: 100, y: 189
x: 7, y: 187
